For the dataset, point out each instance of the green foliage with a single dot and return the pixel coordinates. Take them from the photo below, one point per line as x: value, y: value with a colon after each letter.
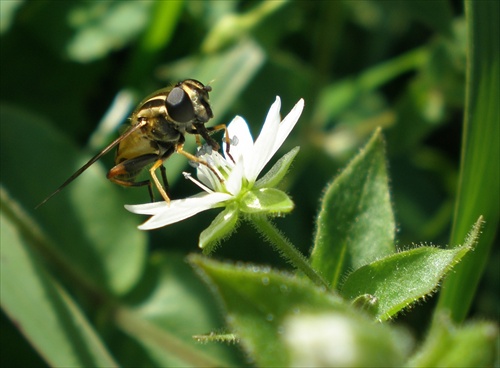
x: 364, y: 229
x: 83, y: 286
x: 222, y: 226
x: 276, y: 174
x: 54, y: 325
x: 276, y: 315
x: 401, y: 279
x: 471, y: 345
x: 91, y: 245
x: 479, y: 173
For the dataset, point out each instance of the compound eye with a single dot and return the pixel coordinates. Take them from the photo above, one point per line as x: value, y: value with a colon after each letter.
x: 179, y: 106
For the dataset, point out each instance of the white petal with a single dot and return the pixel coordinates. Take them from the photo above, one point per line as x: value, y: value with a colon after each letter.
x: 288, y: 124
x: 148, y: 208
x: 239, y: 128
x: 233, y: 183
x: 205, y: 175
x: 178, y: 210
x: 264, y: 144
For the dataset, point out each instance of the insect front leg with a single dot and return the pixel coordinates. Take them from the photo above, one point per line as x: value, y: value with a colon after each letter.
x: 205, y: 132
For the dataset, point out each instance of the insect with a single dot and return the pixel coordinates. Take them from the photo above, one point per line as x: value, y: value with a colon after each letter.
x: 156, y: 131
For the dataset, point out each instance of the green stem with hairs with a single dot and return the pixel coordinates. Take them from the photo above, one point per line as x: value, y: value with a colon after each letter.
x: 285, y: 248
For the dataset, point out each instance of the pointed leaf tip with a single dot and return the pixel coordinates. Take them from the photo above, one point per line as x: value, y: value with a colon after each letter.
x: 356, y: 223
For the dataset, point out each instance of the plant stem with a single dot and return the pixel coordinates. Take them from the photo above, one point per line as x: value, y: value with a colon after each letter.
x: 151, y: 334
x: 285, y: 248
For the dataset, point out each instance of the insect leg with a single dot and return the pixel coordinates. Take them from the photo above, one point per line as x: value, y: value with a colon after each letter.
x: 179, y: 149
x: 203, y: 131
x: 226, y: 137
x: 206, y: 131
x: 217, y: 128
x: 156, y: 165
x: 198, y: 140
x: 126, y: 183
x: 168, y: 148
x: 125, y: 172
x: 164, y: 179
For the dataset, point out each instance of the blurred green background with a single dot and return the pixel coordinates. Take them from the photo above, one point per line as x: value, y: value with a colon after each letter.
x: 357, y: 64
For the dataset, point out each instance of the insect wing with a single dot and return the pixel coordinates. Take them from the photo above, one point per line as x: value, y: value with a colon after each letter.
x: 94, y: 159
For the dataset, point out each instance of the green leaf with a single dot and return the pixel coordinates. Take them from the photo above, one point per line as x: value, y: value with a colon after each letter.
x: 437, y: 14
x: 274, y: 176
x: 356, y: 223
x: 286, y: 321
x: 8, y: 11
x: 163, y: 314
x: 41, y: 309
x: 103, y: 27
x: 221, y: 227
x: 339, y: 96
x: 266, y: 200
x: 160, y: 29
x: 232, y: 27
x: 91, y: 237
x: 471, y: 345
x: 479, y: 183
x: 401, y: 279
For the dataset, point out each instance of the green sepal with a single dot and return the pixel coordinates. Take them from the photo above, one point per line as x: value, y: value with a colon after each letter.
x: 221, y: 227
x: 274, y: 176
x: 266, y: 200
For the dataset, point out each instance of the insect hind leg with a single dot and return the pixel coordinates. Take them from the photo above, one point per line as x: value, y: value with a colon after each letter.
x: 126, y: 171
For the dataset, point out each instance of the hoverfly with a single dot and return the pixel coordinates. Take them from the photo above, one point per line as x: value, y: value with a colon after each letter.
x: 156, y: 131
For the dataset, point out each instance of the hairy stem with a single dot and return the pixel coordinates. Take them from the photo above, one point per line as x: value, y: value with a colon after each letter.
x: 285, y: 248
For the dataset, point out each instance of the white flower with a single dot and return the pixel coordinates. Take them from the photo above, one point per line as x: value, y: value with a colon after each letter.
x: 240, y: 190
